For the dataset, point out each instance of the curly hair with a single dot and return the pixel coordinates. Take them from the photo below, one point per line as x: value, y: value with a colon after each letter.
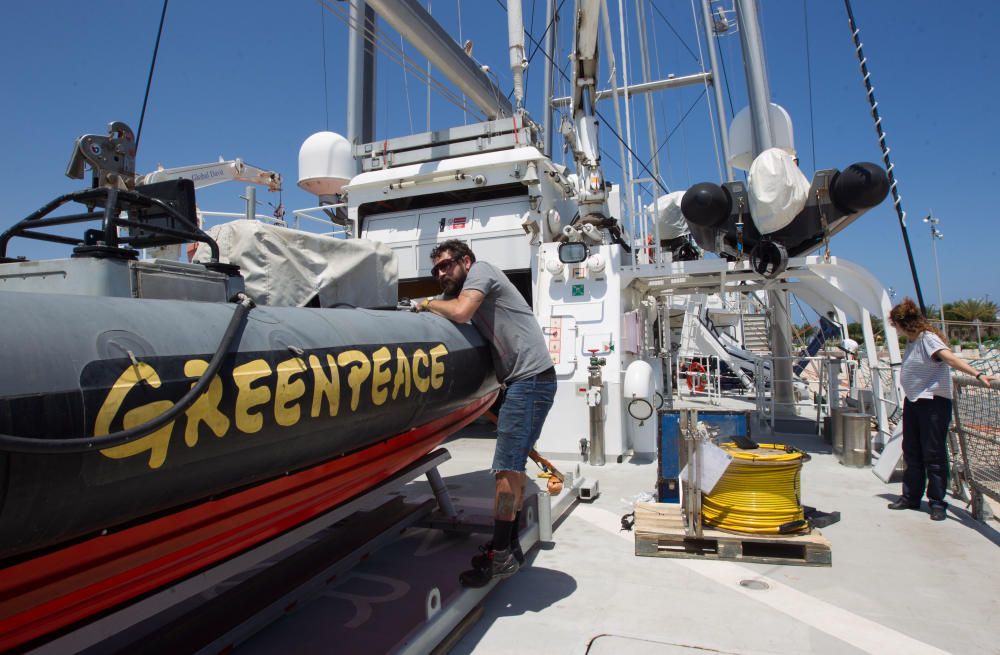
x: 455, y: 247
x: 906, y: 316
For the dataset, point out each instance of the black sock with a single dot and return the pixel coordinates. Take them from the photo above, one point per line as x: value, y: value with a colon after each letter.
x: 515, y: 527
x: 501, y: 534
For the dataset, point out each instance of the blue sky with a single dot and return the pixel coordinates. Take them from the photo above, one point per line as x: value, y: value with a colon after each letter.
x: 245, y: 79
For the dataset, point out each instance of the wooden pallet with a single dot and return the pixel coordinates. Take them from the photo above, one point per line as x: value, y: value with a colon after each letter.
x: 659, y: 532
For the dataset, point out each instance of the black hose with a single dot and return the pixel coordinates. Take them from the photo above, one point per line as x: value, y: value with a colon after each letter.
x: 57, y: 445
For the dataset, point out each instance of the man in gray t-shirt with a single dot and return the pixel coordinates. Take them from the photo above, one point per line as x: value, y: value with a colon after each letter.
x: 480, y: 292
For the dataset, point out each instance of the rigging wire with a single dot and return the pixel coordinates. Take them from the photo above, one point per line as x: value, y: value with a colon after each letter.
x: 430, y: 13
x: 461, y: 42
x: 679, y: 37
x: 897, y: 200
x: 389, y: 50
x: 326, y: 92
x: 406, y: 91
x: 809, y: 77
x: 393, y: 54
x: 149, y: 80
x: 598, y: 114
x: 681, y: 121
x: 663, y: 110
x: 647, y: 75
x: 725, y: 74
x: 708, y: 105
x: 630, y: 175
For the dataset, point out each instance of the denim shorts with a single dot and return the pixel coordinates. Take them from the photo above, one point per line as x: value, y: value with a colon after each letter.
x: 520, y: 422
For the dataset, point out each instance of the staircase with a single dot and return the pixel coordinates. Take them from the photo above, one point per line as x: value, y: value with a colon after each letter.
x: 755, y: 334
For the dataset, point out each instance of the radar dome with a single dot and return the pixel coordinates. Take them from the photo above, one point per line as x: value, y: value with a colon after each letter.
x: 326, y: 163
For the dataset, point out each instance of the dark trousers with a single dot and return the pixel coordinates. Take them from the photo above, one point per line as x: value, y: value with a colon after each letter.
x: 925, y: 449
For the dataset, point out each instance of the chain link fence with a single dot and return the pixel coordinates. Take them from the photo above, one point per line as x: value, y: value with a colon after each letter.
x: 976, y: 424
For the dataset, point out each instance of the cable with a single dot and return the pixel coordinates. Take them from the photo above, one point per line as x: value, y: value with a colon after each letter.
x: 759, y: 492
x: 149, y: 80
x: 58, y: 445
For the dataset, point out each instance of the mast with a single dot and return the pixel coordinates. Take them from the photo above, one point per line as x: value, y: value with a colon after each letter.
x: 426, y: 35
x: 361, y: 74
x: 760, y: 108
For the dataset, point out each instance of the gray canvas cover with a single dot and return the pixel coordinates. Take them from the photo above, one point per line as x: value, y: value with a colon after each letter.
x: 287, y: 268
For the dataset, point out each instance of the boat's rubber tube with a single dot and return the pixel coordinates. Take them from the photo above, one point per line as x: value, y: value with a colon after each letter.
x: 301, y: 386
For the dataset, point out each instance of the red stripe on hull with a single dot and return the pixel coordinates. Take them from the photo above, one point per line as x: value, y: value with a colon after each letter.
x: 48, y: 593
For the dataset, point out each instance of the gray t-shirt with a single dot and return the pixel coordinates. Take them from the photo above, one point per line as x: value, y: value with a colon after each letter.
x: 506, y: 321
x: 923, y: 376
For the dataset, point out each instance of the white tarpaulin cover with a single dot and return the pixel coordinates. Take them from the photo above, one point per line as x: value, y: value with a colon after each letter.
x: 778, y: 190
x: 285, y: 267
x: 668, y: 215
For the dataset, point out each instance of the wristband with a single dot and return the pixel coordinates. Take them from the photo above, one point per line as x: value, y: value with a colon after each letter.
x: 979, y: 375
x: 426, y: 303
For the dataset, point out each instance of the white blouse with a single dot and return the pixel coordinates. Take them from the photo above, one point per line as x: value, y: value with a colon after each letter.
x: 922, y: 376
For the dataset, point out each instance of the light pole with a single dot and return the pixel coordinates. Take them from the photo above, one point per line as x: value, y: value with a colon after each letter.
x: 936, y: 236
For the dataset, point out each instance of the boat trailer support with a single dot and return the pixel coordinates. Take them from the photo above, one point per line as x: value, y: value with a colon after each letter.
x: 159, y: 613
x: 445, y: 505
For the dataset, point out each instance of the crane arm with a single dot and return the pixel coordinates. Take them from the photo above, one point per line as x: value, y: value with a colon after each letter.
x: 233, y: 170
x: 582, y: 134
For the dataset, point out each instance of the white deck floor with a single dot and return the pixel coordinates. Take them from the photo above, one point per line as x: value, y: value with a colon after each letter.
x: 900, y: 583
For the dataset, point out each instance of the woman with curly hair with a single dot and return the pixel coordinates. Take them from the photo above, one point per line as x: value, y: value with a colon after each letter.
x: 926, y: 382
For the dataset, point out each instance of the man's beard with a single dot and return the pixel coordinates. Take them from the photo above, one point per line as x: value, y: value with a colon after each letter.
x: 452, y: 287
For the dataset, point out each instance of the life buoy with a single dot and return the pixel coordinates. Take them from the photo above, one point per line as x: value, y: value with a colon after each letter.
x: 696, y: 377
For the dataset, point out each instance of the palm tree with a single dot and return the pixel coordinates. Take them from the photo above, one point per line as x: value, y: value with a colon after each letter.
x: 970, y: 309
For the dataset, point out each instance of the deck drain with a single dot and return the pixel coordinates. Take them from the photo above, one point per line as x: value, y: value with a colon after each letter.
x: 756, y: 585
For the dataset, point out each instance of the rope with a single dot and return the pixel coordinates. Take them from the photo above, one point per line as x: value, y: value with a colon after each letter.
x: 897, y: 200
x: 149, y: 80
x: 759, y: 493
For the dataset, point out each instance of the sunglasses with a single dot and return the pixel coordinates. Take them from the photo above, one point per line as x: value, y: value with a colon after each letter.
x: 442, y: 266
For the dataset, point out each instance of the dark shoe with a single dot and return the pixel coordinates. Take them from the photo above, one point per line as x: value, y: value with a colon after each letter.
x: 478, y: 560
x: 939, y: 513
x: 497, y: 565
x: 902, y: 503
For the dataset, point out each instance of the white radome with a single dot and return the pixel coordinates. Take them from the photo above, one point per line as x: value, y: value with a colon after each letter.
x: 326, y: 163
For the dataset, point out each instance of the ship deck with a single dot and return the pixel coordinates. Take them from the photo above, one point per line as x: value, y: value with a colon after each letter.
x: 899, y: 582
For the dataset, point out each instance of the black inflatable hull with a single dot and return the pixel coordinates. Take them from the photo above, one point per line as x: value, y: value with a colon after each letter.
x: 303, y: 386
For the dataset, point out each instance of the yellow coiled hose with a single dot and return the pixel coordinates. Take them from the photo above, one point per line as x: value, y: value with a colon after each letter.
x: 759, y: 492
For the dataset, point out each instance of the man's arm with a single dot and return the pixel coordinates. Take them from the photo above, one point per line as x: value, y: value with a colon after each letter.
x: 459, y: 310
